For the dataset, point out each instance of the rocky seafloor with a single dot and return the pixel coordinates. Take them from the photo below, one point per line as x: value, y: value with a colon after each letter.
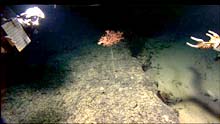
x: 91, y: 85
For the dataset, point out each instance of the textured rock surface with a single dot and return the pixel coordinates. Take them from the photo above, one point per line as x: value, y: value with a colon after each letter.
x: 96, y: 88
x: 122, y: 105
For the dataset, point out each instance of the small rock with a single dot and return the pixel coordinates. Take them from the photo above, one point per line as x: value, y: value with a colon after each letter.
x: 102, y: 88
x: 120, y: 89
x: 166, y: 117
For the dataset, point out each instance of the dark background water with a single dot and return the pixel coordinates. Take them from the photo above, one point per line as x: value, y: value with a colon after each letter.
x: 66, y: 27
x: 140, y: 19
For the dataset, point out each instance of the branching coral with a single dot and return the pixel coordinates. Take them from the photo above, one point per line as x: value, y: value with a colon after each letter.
x: 110, y: 38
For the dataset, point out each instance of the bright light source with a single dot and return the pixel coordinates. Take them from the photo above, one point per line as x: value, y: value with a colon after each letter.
x: 35, y: 11
x: 31, y: 16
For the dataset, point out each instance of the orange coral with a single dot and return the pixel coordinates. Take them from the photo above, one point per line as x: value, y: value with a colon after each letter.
x: 110, y: 38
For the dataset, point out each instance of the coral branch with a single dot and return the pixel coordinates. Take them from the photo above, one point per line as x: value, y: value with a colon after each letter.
x: 110, y: 38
